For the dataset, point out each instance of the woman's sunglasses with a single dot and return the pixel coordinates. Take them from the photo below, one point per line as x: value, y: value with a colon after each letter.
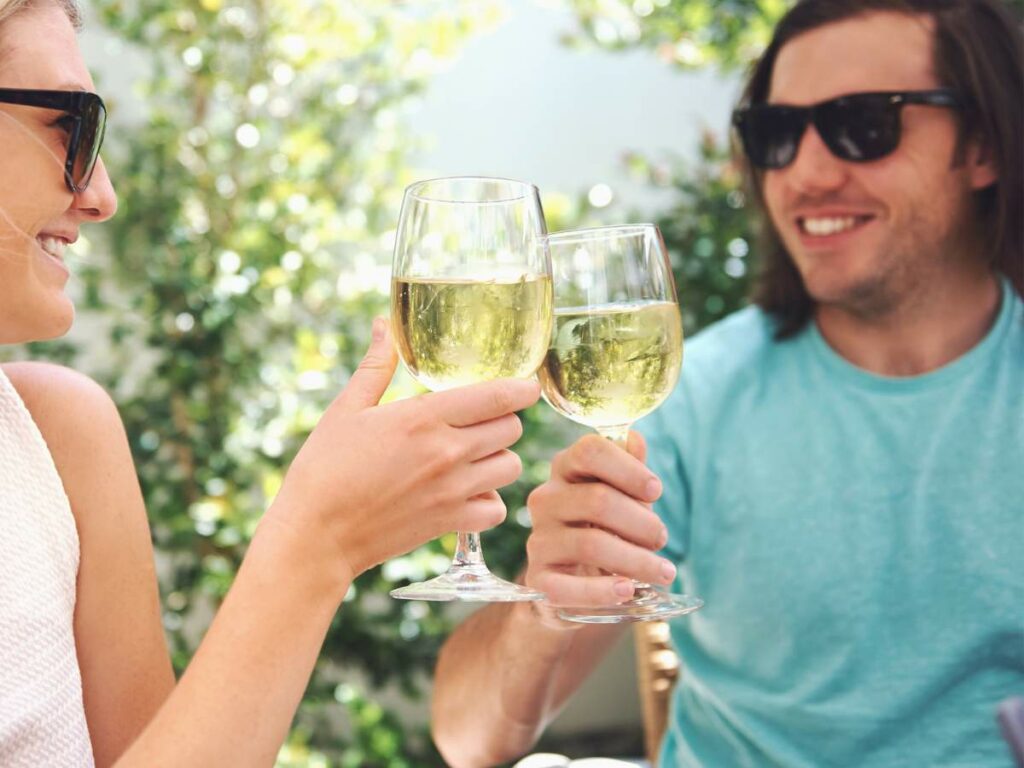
x: 86, y: 117
x: 859, y: 127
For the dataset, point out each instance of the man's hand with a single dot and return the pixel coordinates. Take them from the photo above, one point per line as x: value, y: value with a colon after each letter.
x: 593, y: 527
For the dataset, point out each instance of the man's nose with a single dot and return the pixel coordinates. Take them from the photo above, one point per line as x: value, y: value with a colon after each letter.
x: 815, y: 168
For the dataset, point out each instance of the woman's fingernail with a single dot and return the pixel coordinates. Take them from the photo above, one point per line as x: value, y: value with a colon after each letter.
x: 663, y: 538
x: 668, y: 571
x: 623, y: 588
x: 378, y: 328
x: 653, y: 488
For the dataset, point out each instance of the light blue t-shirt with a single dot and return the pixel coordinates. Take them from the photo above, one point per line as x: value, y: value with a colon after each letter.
x: 858, y: 541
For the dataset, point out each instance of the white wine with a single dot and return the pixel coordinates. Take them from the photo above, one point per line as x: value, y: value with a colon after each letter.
x: 451, y: 332
x: 610, y: 365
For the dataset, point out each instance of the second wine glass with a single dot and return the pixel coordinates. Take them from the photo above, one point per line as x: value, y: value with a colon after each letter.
x: 615, y: 354
x: 471, y: 301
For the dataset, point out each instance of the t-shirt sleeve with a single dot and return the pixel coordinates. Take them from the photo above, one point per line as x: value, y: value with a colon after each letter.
x: 662, y: 431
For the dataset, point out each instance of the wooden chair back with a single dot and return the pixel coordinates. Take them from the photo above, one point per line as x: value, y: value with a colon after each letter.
x: 657, y: 672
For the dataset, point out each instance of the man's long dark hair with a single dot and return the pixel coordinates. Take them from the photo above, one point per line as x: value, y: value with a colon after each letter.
x: 979, y: 54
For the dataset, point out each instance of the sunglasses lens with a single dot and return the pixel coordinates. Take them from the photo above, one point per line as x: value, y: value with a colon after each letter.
x: 94, y: 120
x: 860, y: 128
x: 771, y: 134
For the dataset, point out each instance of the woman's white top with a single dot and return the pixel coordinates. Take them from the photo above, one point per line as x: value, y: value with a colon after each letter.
x: 42, y: 719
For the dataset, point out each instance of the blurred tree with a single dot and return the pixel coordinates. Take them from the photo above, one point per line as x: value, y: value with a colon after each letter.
x: 688, y: 33
x: 708, y: 228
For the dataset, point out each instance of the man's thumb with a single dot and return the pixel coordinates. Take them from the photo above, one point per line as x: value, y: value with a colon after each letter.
x: 374, y: 373
x: 637, y: 446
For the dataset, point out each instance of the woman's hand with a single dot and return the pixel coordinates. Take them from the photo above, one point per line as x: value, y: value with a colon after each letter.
x: 374, y: 481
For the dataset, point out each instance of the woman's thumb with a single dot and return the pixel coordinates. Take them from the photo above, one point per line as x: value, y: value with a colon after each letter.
x: 374, y: 373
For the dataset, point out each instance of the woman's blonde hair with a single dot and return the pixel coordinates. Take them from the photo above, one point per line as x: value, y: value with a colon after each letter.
x: 9, y: 8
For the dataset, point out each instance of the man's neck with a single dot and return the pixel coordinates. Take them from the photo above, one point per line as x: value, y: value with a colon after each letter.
x: 919, y: 335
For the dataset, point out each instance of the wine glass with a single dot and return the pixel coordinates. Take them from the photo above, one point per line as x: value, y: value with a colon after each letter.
x: 616, y: 350
x: 471, y: 300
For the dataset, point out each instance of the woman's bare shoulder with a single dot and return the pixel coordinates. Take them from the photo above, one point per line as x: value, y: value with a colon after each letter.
x: 76, y: 416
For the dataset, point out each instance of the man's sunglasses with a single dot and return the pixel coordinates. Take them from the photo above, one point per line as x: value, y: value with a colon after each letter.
x: 859, y: 127
x: 85, y: 120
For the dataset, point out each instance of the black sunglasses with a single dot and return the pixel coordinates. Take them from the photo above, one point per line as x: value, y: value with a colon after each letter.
x: 86, y: 117
x: 858, y: 127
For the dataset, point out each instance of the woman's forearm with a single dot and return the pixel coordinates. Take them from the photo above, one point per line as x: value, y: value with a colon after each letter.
x: 236, y: 700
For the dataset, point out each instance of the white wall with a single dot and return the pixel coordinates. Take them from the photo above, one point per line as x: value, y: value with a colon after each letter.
x: 518, y: 103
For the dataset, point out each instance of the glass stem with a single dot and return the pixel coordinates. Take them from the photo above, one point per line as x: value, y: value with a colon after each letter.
x: 468, y: 552
x: 618, y: 435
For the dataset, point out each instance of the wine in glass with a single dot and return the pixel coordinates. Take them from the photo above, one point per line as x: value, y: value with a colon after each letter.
x: 616, y: 350
x: 471, y: 301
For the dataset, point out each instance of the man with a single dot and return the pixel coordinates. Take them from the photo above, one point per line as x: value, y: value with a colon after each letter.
x: 843, y: 463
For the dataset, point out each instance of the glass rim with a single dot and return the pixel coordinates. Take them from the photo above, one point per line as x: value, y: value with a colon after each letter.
x: 605, y: 232
x: 529, y: 190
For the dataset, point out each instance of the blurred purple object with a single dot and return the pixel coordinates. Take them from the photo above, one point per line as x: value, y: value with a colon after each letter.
x: 1011, y: 720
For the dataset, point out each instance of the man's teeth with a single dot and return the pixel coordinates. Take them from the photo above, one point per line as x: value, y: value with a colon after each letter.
x: 823, y: 227
x: 53, y: 246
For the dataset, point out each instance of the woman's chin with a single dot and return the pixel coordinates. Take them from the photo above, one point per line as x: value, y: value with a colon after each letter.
x: 40, y: 327
x: 60, y: 323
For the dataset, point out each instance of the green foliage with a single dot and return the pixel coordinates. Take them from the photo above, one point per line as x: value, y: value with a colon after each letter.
x: 687, y: 33
x: 709, y: 230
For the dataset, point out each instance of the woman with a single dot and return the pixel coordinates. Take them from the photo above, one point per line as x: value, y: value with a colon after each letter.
x: 84, y: 671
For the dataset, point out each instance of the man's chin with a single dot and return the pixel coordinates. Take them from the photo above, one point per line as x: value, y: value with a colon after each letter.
x: 865, y: 298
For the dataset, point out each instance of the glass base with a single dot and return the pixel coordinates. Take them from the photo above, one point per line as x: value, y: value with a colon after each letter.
x: 472, y: 583
x: 647, y: 604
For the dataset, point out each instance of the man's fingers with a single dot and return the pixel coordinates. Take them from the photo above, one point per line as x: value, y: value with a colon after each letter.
x: 595, y: 458
x: 637, y: 446
x: 603, y: 506
x: 567, y: 590
x: 374, y: 373
x: 484, y: 402
x: 596, y: 548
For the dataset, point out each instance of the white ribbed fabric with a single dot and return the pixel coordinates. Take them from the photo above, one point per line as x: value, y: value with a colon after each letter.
x: 42, y: 720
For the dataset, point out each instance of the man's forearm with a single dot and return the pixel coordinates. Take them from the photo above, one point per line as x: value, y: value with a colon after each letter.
x: 502, y: 676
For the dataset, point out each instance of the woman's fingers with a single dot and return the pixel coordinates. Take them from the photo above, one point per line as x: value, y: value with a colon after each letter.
x: 481, y: 512
x: 484, y: 439
x: 494, y: 471
x: 483, y: 402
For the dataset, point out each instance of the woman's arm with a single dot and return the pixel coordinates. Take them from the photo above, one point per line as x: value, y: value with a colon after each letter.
x: 126, y: 672
x: 370, y: 482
